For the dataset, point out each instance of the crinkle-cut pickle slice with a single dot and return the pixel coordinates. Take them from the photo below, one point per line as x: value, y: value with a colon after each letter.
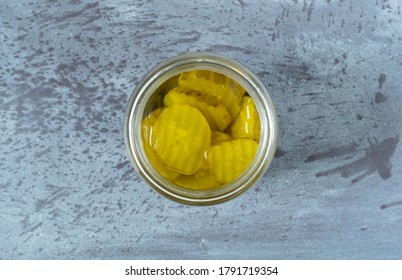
x: 215, y: 89
x: 217, y: 137
x: 217, y: 116
x: 228, y: 160
x: 180, y: 137
x: 195, y: 182
x: 146, y: 132
x: 247, y: 122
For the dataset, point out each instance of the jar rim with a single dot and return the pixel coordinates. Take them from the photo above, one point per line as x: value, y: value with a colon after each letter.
x: 234, y: 70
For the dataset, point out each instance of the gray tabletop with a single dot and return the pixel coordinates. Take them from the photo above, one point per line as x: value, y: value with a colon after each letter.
x: 68, y: 190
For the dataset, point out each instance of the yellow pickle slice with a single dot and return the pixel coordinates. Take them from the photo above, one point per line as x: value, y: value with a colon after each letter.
x: 247, y: 122
x: 180, y: 137
x: 146, y: 132
x: 229, y: 159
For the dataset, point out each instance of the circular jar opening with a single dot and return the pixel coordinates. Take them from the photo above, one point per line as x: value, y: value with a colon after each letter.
x: 201, y: 128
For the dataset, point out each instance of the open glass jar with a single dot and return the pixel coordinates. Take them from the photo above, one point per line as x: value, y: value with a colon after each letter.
x: 149, y: 95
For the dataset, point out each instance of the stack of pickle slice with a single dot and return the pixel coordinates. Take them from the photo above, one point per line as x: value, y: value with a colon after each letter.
x: 206, y: 133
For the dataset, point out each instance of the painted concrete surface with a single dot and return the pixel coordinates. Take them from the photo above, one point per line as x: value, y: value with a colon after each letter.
x: 68, y: 191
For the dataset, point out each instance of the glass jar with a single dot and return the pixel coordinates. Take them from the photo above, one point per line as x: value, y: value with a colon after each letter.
x: 147, y: 97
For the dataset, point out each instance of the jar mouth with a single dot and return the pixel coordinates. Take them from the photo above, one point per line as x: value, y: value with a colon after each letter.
x: 146, y: 91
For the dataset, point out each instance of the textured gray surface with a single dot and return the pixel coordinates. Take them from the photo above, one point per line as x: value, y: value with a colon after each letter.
x: 333, y: 67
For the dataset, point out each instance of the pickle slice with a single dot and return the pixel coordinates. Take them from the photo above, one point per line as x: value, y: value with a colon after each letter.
x: 146, y: 132
x: 247, y: 122
x: 218, y: 137
x: 197, y: 182
x: 228, y: 160
x: 215, y: 89
x: 217, y: 116
x: 180, y: 137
